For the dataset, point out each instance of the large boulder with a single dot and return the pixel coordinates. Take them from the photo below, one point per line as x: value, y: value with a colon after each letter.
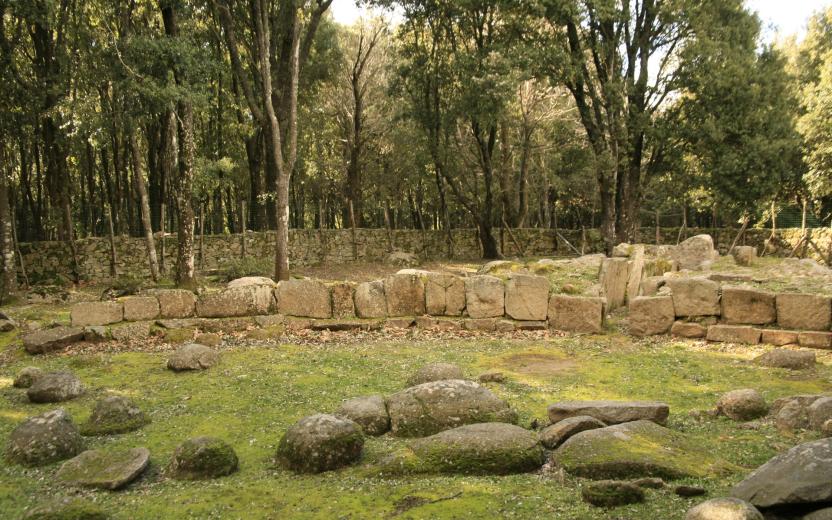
x: 175, y: 303
x: 651, y: 315
x: 694, y: 296
x: 444, y: 294
x: 405, y: 294
x: 114, y: 414
x: 744, y: 255
x: 370, y: 301
x: 48, y: 340
x: 696, y: 253
x: 55, y: 387
x: 193, y: 356
x: 43, y: 439
x: 804, y: 311
x: 610, y: 412
x: 368, y: 412
x: 527, y: 297
x: 633, y: 450
x: 140, y: 308
x: 784, y: 358
x: 484, y: 296
x: 802, y: 475
x: 749, y: 306
x: 576, y: 313
x: 742, y: 405
x: 96, y: 313
x: 441, y: 405
x: 320, y: 443
x: 435, y: 372
x: 556, y: 434
x: 104, y: 469
x: 724, y: 509
x: 203, y: 458
x: 246, y: 300
x: 484, y: 448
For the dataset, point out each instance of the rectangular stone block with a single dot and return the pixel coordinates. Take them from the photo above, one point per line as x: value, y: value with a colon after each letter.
x: 812, y: 339
x: 96, y: 313
x: 614, y: 276
x: 779, y: 338
x: 804, y: 311
x: 742, y: 305
x: 688, y: 329
x: 131, y: 331
x: 651, y: 315
x: 576, y: 313
x: 175, y: 303
x: 405, y: 294
x: 249, y: 300
x: 694, y: 296
x: 527, y: 297
x: 343, y: 304
x: 140, y: 308
x: 444, y: 294
x: 744, y: 334
x: 370, y: 301
x: 304, y: 299
x: 484, y: 296
x: 480, y: 324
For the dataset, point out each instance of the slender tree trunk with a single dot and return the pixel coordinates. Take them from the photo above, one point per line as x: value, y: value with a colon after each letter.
x: 185, y: 268
x: 141, y: 189
x: 9, y: 276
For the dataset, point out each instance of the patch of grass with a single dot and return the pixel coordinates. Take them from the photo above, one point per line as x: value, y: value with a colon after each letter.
x: 255, y: 393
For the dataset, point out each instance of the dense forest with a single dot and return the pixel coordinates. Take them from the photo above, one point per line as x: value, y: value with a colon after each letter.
x: 213, y: 116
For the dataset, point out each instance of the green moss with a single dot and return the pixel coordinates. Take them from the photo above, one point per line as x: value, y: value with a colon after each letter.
x: 182, y: 335
x: 612, y: 493
x: 203, y: 458
x: 67, y: 509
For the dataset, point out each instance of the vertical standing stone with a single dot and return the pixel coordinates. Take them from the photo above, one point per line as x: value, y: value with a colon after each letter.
x: 615, y: 273
x: 370, y: 301
x: 343, y: 305
x: 444, y: 294
x: 405, y: 294
x: 527, y: 297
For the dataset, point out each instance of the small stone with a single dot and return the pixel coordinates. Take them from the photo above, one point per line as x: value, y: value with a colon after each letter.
x: 492, y: 376
x: 742, y: 405
x: 612, y: 493
x: 826, y: 428
x: 556, y: 434
x: 96, y: 334
x: 105, y: 470
x: 43, y: 439
x: 368, y: 412
x: 113, y: 415
x: 320, y: 443
x: 26, y: 377
x: 203, y: 458
x: 435, y: 372
x: 649, y: 483
x: 7, y: 325
x: 791, y: 359
x: 399, y: 323
x: 209, y: 339
x: 744, y: 255
x: 67, y: 509
x: 193, y: 357
x: 54, y: 387
x: 690, y: 491
x: 724, y: 509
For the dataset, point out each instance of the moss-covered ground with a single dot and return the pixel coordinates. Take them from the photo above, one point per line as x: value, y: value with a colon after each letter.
x: 259, y: 389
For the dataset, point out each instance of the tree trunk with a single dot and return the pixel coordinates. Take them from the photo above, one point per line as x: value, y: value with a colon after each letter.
x: 9, y: 276
x: 185, y: 268
x: 141, y: 189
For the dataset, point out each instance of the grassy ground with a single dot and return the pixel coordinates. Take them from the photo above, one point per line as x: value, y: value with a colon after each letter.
x: 260, y: 389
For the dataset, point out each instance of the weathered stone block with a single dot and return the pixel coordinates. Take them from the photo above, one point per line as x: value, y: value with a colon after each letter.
x: 804, y: 311
x: 651, y: 315
x: 696, y: 253
x: 779, y: 338
x: 815, y: 340
x: 576, y: 313
x: 131, y: 331
x: 481, y: 324
x: 688, y: 329
x: 405, y: 295
x: 748, y: 306
x: 527, y: 297
x: 250, y: 300
x: 343, y: 304
x: 176, y: 303
x: 304, y: 298
x: 140, y: 308
x: 444, y: 294
x: 48, y: 340
x: 96, y: 313
x: 615, y: 273
x: 370, y: 301
x: 734, y: 334
x: 484, y: 296
x: 744, y: 255
x: 694, y: 296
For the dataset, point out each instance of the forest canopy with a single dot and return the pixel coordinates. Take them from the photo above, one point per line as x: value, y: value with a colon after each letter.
x: 136, y: 117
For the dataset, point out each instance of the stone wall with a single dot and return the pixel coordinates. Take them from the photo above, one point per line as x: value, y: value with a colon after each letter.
x: 47, y: 261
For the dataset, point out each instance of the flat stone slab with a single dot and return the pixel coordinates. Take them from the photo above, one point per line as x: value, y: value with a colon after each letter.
x: 688, y: 329
x: 734, y: 334
x: 811, y: 339
x: 556, y: 434
x: 611, y: 412
x: 96, y: 313
x: 791, y: 359
x: 104, y: 470
x: 779, y: 338
x: 49, y: 340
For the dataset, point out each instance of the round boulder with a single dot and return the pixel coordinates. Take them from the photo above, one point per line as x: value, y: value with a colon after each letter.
x: 67, y: 509
x: 203, y: 458
x: 193, y: 356
x: 112, y: 415
x: 435, y: 372
x: 45, y: 438
x: 792, y: 416
x: 819, y: 412
x: 724, y: 509
x: 320, y: 443
x: 612, y: 493
x: 26, y: 377
x: 54, y: 387
x: 368, y: 412
x: 742, y: 405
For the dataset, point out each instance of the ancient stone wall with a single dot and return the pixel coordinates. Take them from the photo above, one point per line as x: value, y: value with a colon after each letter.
x: 47, y: 261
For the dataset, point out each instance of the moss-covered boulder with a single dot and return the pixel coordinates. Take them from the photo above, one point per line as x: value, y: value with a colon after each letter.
x: 54, y: 387
x: 203, y: 458
x: 26, y: 377
x: 633, y: 450
x: 320, y: 443
x: 104, y: 469
x: 112, y: 415
x: 474, y: 449
x: 67, y: 509
x: 430, y: 408
x: 369, y: 412
x: 43, y: 439
x: 612, y: 493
